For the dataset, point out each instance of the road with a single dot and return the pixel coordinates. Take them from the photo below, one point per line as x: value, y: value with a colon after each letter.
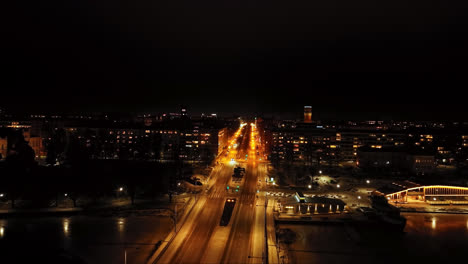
x: 238, y: 249
x: 202, y: 239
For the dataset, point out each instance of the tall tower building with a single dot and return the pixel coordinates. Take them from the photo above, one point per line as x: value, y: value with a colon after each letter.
x: 307, y: 114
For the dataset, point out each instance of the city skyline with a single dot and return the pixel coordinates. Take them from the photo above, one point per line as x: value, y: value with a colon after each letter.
x: 358, y: 112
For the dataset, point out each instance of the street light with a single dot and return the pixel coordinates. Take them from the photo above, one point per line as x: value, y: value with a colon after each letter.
x: 337, y: 186
x: 120, y: 189
x: 1, y: 194
x: 66, y: 194
x: 310, y: 186
x: 320, y: 171
x: 368, y: 181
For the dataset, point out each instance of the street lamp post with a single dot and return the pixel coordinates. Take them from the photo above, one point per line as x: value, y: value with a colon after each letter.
x: 175, y: 218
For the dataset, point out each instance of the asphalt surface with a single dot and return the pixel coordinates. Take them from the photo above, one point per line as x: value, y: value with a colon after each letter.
x: 192, y: 248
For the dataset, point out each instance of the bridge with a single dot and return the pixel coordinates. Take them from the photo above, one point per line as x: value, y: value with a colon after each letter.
x: 432, y: 194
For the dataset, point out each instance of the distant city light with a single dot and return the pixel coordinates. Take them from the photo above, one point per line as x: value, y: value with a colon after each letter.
x: 1, y: 194
x: 320, y: 171
x: 121, y: 189
x: 368, y: 181
x: 310, y: 186
x: 337, y: 186
x: 65, y: 226
x: 66, y: 194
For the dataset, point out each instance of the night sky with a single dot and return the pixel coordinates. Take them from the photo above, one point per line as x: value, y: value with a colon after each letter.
x: 365, y: 59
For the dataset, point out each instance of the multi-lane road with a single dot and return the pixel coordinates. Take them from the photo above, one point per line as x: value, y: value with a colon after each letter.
x: 201, y: 239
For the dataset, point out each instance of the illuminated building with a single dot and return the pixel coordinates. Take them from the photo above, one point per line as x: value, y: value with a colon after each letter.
x: 396, y: 159
x: 305, y: 144
x: 165, y: 141
x: 307, y: 114
x: 3, y: 147
x: 304, y: 205
x: 351, y: 139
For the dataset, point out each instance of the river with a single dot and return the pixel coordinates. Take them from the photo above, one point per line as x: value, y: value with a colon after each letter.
x: 428, y: 238
x: 91, y: 238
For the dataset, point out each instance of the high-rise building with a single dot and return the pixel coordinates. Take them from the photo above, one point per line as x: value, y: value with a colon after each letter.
x: 307, y: 114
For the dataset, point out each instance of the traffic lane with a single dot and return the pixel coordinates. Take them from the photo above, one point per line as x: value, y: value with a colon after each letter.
x: 239, y: 245
x: 183, y: 232
x: 193, y: 219
x: 221, y: 181
x: 258, y: 232
x: 217, y: 178
x: 239, y: 249
x: 223, y: 177
x: 244, y: 146
x: 195, y: 244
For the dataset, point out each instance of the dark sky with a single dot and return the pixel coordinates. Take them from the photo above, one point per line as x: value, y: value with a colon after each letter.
x: 365, y: 58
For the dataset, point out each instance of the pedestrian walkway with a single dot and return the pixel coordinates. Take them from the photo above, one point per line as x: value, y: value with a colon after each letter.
x: 258, y: 246
x: 273, y: 257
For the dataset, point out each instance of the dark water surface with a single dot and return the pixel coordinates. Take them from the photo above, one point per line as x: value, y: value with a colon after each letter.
x: 428, y: 238
x: 92, y: 239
